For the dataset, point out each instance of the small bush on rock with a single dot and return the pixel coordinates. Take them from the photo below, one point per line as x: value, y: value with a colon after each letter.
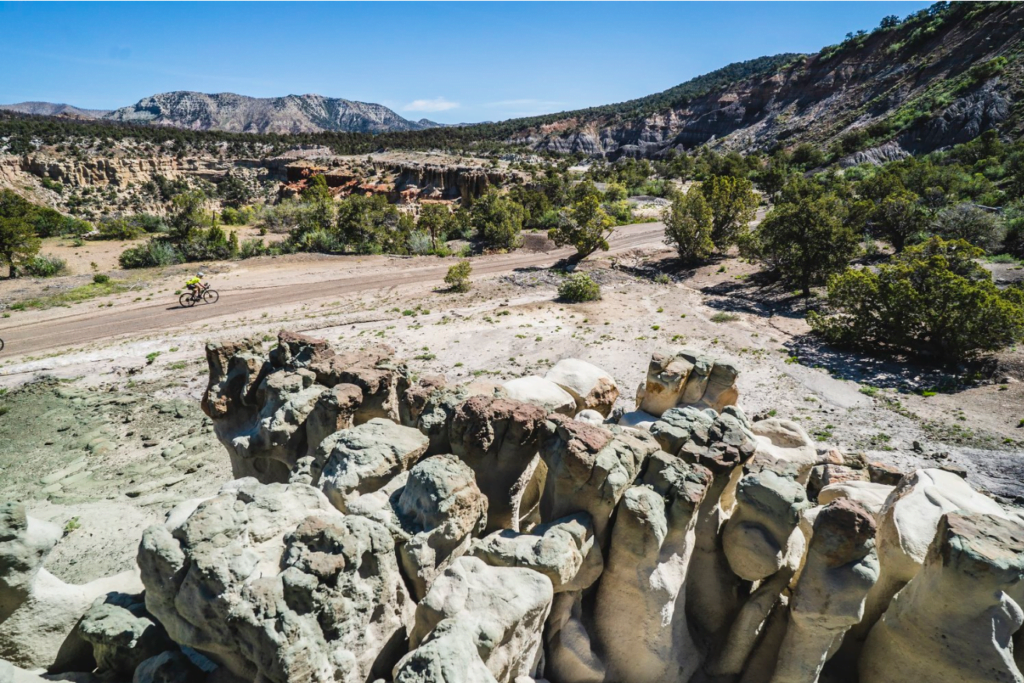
x: 579, y: 287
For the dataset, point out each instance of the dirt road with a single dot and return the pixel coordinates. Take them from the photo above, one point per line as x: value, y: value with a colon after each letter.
x: 61, y: 328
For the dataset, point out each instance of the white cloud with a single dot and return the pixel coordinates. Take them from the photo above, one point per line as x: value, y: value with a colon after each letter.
x: 436, y: 104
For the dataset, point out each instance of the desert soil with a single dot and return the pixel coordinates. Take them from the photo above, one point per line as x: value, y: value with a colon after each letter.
x: 100, y: 419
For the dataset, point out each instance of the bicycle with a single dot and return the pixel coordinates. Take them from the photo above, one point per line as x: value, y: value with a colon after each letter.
x: 195, y: 295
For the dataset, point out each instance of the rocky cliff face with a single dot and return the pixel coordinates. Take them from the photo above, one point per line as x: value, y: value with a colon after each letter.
x: 929, y: 83
x: 240, y: 114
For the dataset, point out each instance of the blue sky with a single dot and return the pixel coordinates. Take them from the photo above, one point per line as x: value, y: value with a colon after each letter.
x: 449, y: 62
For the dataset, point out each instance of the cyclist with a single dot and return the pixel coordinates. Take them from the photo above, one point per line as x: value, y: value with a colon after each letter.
x: 195, y: 283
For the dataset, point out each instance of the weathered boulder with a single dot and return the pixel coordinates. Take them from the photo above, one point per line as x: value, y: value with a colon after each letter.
x: 868, y: 495
x: 294, y: 351
x: 122, y: 633
x: 761, y: 543
x: 236, y: 370
x: 363, y: 459
x: 591, y: 387
x: 713, y: 440
x: 906, y: 528
x: 640, y: 611
x: 376, y: 374
x: 271, y: 445
x: 589, y: 468
x: 38, y: 611
x: 334, y: 410
x: 478, y: 623
x: 271, y: 411
x: 274, y: 584
x: 413, y: 397
x: 442, y: 509
x: 564, y: 551
x: 541, y: 392
x: 637, y: 420
x: 785, y: 443
x: 841, y: 567
x: 687, y: 378
x: 761, y: 535
x: 714, y: 594
x: 498, y: 439
x: 955, y: 619
x: 590, y: 417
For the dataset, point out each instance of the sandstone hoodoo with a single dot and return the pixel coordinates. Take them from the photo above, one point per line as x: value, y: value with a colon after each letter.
x: 389, y: 527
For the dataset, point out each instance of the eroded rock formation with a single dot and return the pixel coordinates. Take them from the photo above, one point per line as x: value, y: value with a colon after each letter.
x: 401, y: 529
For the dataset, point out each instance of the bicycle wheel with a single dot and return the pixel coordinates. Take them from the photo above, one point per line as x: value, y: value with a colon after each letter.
x: 186, y: 300
x: 1, y: 344
x: 211, y: 296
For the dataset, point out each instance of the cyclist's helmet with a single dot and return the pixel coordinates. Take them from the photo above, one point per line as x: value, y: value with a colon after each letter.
x: 200, y: 274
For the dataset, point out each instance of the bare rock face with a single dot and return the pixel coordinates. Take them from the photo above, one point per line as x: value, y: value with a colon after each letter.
x: 687, y: 378
x: 274, y: 584
x: 589, y: 468
x: 564, y: 551
x: 591, y: 387
x: 122, y: 633
x: 38, y: 611
x: 955, y: 619
x: 373, y: 371
x: 542, y: 393
x: 365, y: 458
x: 478, y: 623
x: 785, y: 444
x: 413, y: 398
x: 498, y: 439
x: 761, y: 535
x: 717, y: 441
x: 642, y: 588
x: 907, y: 526
x: 539, y: 546
x: 271, y: 411
x: 441, y: 509
x: 334, y: 410
x: 829, y: 598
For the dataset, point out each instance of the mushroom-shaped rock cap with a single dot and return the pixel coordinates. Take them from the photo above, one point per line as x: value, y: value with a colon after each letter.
x: 843, y: 532
x: 756, y: 539
x: 978, y: 544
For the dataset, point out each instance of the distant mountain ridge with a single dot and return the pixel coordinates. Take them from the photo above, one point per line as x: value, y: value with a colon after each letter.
x: 52, y: 109
x: 241, y: 114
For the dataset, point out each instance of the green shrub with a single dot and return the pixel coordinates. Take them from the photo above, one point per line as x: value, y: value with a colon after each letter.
x: 156, y: 252
x: 419, y: 242
x: 119, y: 229
x: 100, y: 279
x: 499, y: 221
x: 585, y: 226
x: 50, y: 184
x: 252, y: 248
x: 457, y: 278
x: 579, y: 287
x: 688, y: 224
x: 932, y: 301
x: 45, y: 266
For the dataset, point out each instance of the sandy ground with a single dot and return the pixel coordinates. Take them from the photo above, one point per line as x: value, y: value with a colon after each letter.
x: 100, y: 419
